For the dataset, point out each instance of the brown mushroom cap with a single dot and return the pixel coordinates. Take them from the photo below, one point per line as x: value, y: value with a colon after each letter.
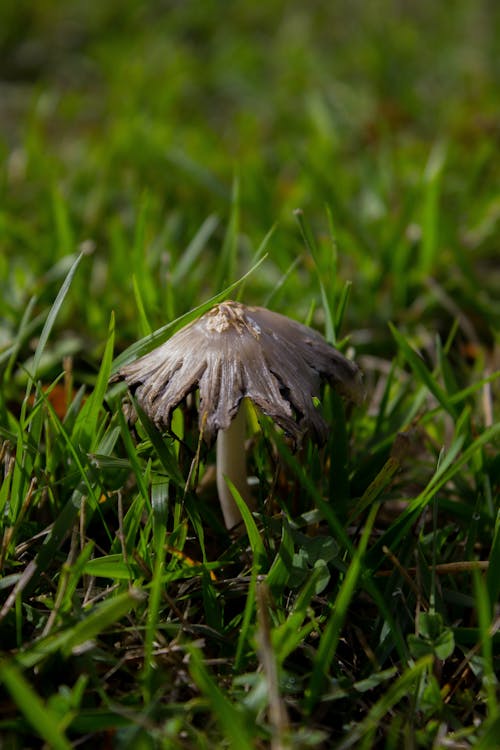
x: 234, y: 352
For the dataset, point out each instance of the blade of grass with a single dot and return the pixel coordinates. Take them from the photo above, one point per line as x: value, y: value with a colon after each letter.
x: 276, y: 708
x: 226, y: 265
x: 313, y: 249
x: 256, y: 543
x: 143, y: 322
x: 362, y: 734
x: 258, y: 255
x: 421, y: 372
x: 87, y: 488
x: 165, y: 454
x: 60, y: 529
x: 279, y: 573
x: 23, y: 466
x: 288, y: 635
x: 490, y: 732
x: 147, y: 343
x: 37, y: 713
x: 331, y: 634
x: 390, y: 623
x: 133, y: 457
x: 80, y: 459
x: 430, y: 212
x: 484, y: 612
x: 195, y: 248
x: 383, y: 478
x: 248, y: 613
x: 493, y: 574
x: 342, y: 304
x: 336, y: 527
x: 448, y: 467
x: 112, y: 566
x: 51, y: 318
x: 158, y: 501
x: 64, y: 232
x: 281, y: 282
x: 5, y: 493
x: 102, y: 616
x: 85, y: 433
x: 69, y: 580
x: 143, y: 281
x: 23, y: 331
x: 198, y: 173
x: 228, y: 715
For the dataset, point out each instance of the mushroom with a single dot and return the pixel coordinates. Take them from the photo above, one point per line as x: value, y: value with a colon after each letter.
x: 230, y: 353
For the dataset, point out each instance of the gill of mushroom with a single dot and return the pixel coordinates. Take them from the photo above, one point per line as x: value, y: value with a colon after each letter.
x: 233, y: 352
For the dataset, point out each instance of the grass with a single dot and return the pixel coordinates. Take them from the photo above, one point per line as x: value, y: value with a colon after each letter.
x: 337, y: 164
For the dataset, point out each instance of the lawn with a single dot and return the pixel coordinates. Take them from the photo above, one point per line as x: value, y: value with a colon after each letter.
x: 336, y: 163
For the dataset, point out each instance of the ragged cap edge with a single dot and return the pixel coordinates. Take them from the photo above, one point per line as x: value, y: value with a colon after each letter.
x: 266, y: 337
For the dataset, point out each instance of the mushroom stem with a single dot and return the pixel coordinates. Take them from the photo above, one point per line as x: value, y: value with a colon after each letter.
x: 231, y: 463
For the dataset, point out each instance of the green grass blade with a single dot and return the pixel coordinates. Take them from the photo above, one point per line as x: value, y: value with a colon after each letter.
x: 255, y: 539
x: 113, y: 567
x: 60, y: 529
x: 37, y: 713
x: 79, y: 459
x: 194, y: 249
x: 51, y: 318
x: 279, y: 573
x: 421, y: 372
x: 430, y: 211
x: 64, y: 232
x: 452, y: 466
x: 270, y: 299
x: 493, y: 573
x: 148, y: 343
x: 331, y: 635
x: 199, y: 174
x: 5, y: 494
x: 288, y: 635
x: 362, y: 735
x: 226, y: 265
x: 228, y: 715
x: 144, y: 325
x: 161, y: 446
x: 22, y: 470
x: 70, y: 578
x: 103, y: 615
x: 85, y: 432
x: 159, y: 504
x: 10, y: 354
x: 490, y: 732
x: 342, y: 305
x: 382, y: 479
x: 154, y: 601
x: 144, y: 283
x: 337, y: 528
x: 310, y: 243
x: 259, y: 254
x: 447, y: 469
x: 248, y: 613
x: 484, y: 611
x: 133, y: 457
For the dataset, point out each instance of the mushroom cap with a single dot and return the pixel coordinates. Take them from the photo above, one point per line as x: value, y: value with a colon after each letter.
x: 234, y: 352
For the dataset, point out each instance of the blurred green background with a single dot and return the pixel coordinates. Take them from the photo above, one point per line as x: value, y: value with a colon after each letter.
x: 125, y: 125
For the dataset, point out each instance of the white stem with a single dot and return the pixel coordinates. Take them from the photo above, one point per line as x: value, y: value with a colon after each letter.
x: 231, y: 463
